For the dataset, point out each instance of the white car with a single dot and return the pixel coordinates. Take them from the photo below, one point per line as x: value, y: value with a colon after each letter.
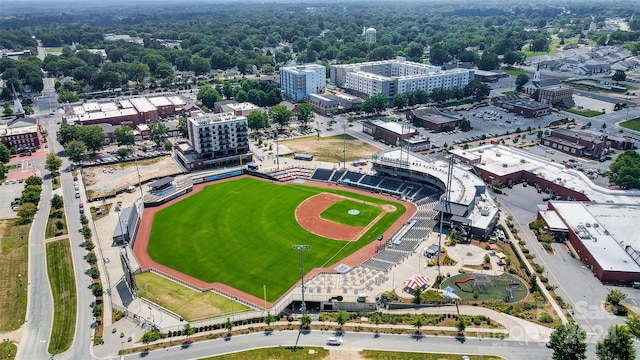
x: 337, y: 341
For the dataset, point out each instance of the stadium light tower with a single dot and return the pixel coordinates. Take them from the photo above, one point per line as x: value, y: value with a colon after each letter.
x: 302, y: 248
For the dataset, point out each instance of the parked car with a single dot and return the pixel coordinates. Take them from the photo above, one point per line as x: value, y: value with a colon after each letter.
x: 335, y: 341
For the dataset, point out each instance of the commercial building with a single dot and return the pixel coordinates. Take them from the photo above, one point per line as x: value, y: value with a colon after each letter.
x: 20, y: 133
x: 602, y: 235
x: 321, y: 104
x: 389, y: 132
x: 556, y: 95
x: 130, y: 112
x: 431, y: 118
x: 526, y: 108
x: 215, y: 140
x: 584, y: 143
x: 397, y: 76
x: 296, y: 82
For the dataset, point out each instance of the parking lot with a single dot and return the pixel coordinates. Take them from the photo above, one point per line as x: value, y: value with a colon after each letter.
x: 9, y: 191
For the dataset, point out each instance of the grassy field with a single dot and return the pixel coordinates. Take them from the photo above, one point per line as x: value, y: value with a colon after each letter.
x: 339, y: 212
x: 497, y: 289
x: 516, y: 72
x: 8, y: 350
x: 585, y: 113
x: 241, y: 233
x: 321, y: 353
x: 63, y: 286
x: 52, y: 229
x: 57, y: 49
x: 396, y: 355
x: 330, y: 148
x: 13, y: 267
x: 190, y: 304
x: 277, y: 353
x: 633, y: 124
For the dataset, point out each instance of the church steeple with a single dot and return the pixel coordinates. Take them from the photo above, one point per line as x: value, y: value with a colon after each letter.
x: 17, y: 105
x: 536, y: 75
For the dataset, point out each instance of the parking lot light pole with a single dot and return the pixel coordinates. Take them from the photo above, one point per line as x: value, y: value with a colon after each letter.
x: 302, y: 248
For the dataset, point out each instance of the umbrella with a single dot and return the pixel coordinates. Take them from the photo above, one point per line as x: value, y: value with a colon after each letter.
x: 449, y: 289
x: 416, y: 280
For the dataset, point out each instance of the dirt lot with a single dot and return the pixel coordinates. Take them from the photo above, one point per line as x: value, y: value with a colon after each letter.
x: 105, y: 180
x: 329, y: 149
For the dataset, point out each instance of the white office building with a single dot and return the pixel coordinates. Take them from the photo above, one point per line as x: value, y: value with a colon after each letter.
x: 397, y: 76
x: 299, y: 81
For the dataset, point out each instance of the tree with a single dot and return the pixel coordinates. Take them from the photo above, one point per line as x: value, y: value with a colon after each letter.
x: 200, y: 65
x: 625, y: 171
x: 269, y: 319
x: 376, y: 318
x: 124, y: 136
x: 57, y: 202
x: 633, y: 323
x: 96, y: 289
x: 616, y: 345
x: 3, y: 170
x: 533, y: 283
x: 305, y: 321
x: 7, y: 110
x: 568, y: 342
x: 26, y: 211
x: 305, y: 113
x: 619, y: 75
x: 182, y: 127
x: 158, y: 132
x: 477, y: 89
x: 228, y: 325
x: 511, y: 57
x: 67, y: 133
x: 465, y: 125
x: 209, y: 96
x: 76, y: 150
x: 257, y: 120
x: 375, y: 103
x: 52, y: 163
x: 188, y: 330
x: 341, y: 318
x: 280, y: 115
x: 149, y: 337
x: 418, y: 323
x: 94, y: 273
x: 488, y: 61
x: 5, y: 153
x: 33, y: 180
x: 461, y: 326
x: 521, y: 80
x: 92, y: 136
x: 400, y: 101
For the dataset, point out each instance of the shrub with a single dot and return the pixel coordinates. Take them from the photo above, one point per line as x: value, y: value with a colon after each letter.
x: 59, y: 225
x: 545, y: 318
x: 89, y: 245
x: 538, y: 268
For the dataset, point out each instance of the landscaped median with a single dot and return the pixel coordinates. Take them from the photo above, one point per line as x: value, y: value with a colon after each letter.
x: 410, y: 324
x: 63, y: 288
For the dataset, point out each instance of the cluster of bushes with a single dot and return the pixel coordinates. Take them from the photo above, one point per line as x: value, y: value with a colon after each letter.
x: 29, y: 199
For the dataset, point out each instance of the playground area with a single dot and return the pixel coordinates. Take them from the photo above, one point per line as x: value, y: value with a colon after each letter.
x: 488, y: 287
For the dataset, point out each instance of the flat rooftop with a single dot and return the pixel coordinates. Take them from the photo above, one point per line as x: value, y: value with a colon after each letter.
x: 142, y: 104
x: 160, y: 101
x: 101, y: 115
x: 502, y: 160
x: 463, y: 187
x: 605, y: 230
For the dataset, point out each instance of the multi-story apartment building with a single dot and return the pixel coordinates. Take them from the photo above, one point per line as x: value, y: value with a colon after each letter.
x: 20, y: 133
x: 397, y: 76
x: 215, y: 140
x: 297, y: 82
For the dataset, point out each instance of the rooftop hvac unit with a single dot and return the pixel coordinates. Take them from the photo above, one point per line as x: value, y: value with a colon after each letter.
x: 587, y: 224
x: 498, y: 154
x: 504, y: 165
x: 595, y: 225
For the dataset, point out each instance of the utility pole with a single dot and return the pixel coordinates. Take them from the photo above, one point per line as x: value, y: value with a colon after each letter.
x: 302, y: 248
x: 344, y: 142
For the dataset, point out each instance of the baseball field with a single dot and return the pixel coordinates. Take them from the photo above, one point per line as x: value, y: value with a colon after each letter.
x: 241, y: 233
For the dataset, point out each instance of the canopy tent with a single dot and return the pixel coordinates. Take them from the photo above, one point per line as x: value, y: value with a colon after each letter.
x: 416, y: 280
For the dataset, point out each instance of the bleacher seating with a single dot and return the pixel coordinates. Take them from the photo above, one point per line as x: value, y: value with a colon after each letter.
x: 337, y: 176
x: 322, y: 174
x: 352, y: 176
x: 390, y: 184
x: 370, y: 180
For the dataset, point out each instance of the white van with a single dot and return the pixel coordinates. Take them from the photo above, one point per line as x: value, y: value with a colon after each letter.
x: 337, y: 341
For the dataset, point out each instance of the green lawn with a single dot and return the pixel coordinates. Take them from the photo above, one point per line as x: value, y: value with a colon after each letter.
x: 633, y: 124
x: 241, y: 233
x: 52, y: 229
x: 190, y: 304
x: 339, y: 212
x: 14, y: 240
x: 288, y: 353
x: 63, y: 287
x: 398, y: 355
x: 8, y: 350
x: 496, y: 290
x: 585, y: 113
x: 516, y: 72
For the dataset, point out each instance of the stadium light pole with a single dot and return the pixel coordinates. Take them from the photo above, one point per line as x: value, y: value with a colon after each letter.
x: 344, y: 142
x: 302, y: 248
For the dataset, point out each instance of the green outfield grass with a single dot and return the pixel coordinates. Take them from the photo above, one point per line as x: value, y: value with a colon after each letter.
x: 339, y: 212
x: 241, y: 233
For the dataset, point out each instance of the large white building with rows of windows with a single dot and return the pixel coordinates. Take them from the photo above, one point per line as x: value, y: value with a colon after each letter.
x: 397, y: 76
x: 215, y: 140
x: 299, y: 81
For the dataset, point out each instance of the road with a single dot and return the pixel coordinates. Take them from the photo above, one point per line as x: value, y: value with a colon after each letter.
x: 356, y: 341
